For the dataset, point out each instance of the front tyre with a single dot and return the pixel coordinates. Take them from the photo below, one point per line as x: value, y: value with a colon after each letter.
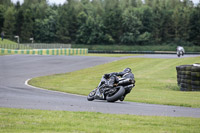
x: 90, y: 97
x: 116, y: 96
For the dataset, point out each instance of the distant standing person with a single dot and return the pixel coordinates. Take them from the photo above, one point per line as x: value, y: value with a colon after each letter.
x: 2, y: 36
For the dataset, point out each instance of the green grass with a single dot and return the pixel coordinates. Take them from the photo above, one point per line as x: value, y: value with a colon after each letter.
x: 111, y: 55
x: 8, y: 44
x: 156, y: 81
x: 24, y: 120
x: 6, y: 41
x: 3, y: 54
x: 115, y: 47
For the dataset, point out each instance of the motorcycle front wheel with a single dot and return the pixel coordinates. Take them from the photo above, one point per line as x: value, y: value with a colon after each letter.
x: 116, y: 96
x: 90, y: 97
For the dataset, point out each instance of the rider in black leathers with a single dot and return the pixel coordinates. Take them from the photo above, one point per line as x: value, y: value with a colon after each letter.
x: 113, y: 79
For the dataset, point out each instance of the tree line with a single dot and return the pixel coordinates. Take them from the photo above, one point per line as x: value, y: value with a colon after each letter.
x: 129, y: 22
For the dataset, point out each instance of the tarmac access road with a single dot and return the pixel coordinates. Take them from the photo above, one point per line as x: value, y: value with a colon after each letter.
x: 15, y: 70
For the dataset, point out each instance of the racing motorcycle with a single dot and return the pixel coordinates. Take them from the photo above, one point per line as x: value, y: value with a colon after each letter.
x: 111, y: 94
x: 179, y: 53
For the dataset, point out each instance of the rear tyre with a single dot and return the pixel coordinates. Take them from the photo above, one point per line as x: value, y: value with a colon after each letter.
x: 116, y: 96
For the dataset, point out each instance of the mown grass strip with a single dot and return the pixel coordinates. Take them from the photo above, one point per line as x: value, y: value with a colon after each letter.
x: 115, y: 47
x: 6, y: 41
x: 24, y: 120
x: 111, y: 55
x: 156, y: 81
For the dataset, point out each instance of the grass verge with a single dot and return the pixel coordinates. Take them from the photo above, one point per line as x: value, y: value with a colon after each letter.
x: 156, y: 81
x: 3, y: 54
x: 111, y: 55
x: 115, y: 47
x: 6, y: 41
x: 24, y: 120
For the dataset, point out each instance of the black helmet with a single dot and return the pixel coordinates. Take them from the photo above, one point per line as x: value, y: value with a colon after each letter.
x: 127, y: 70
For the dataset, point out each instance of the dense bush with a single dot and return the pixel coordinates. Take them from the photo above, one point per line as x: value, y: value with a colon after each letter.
x: 127, y: 22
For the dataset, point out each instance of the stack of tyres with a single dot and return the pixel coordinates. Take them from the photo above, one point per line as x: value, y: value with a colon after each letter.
x: 195, y: 78
x: 184, y: 77
x: 188, y: 77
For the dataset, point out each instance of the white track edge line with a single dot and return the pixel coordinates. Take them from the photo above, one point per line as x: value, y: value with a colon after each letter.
x: 26, y: 83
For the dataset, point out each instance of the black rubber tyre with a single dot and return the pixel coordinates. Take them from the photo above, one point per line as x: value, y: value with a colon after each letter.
x: 182, y: 67
x: 178, y: 68
x: 187, y: 77
x: 196, y: 83
x: 186, y: 81
x: 188, y: 67
x: 195, y: 74
x: 195, y: 78
x: 185, y: 73
x: 116, y: 96
x: 195, y: 69
x: 90, y: 97
x: 195, y: 88
x: 178, y: 81
x: 185, y: 87
x: 183, y: 76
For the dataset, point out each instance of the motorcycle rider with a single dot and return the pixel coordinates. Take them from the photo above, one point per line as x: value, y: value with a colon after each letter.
x: 113, y: 79
x: 180, y: 50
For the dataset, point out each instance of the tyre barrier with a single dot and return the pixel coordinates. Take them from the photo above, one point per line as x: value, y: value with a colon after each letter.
x: 64, y: 51
x: 188, y: 77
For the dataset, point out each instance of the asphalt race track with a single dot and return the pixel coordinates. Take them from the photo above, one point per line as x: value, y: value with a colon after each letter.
x: 15, y: 70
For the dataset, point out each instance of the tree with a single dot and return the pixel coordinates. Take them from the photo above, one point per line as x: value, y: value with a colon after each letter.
x: 45, y: 29
x: 131, y: 26
x: 91, y: 30
x: 102, y: 21
x: 63, y: 25
x: 146, y: 16
x: 113, y: 20
x: 98, y: 7
x: 27, y: 26
x: 30, y: 2
x: 195, y: 25
x: 9, y: 23
x: 157, y: 18
x: 181, y: 18
x: 19, y: 19
x: 2, y: 12
x: 6, y: 3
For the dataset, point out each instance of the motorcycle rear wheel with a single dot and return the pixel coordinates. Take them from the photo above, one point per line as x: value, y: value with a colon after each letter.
x: 116, y: 96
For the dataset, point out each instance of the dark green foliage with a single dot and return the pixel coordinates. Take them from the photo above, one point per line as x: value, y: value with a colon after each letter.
x: 5, y: 2
x: 131, y: 27
x: 195, y: 25
x: 19, y: 19
x: 129, y: 22
x: 2, y: 12
x: 45, y: 29
x: 27, y: 26
x: 113, y: 20
x: 9, y: 23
